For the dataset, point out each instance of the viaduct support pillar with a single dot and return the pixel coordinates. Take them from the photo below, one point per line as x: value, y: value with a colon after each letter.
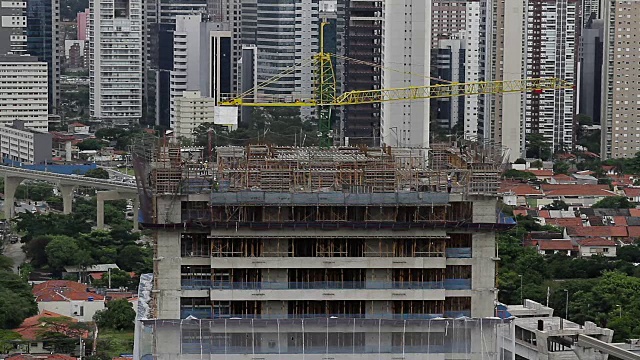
x: 10, y: 186
x: 102, y: 196
x: 136, y: 211
x: 67, y: 198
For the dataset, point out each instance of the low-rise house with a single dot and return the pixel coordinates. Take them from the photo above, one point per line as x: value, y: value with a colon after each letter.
x: 633, y: 194
x: 583, y: 179
x: 35, y: 330
x: 614, y: 233
x: 575, y: 196
x: 91, y: 272
x: 516, y: 193
x: 597, y: 246
x: 542, y: 174
x: 562, y: 179
x: 68, y: 298
x: 78, y: 128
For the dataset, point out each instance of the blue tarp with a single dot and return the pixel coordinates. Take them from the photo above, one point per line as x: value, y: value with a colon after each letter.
x: 68, y: 169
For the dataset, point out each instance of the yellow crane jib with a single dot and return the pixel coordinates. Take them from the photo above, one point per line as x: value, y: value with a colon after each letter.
x: 401, y: 94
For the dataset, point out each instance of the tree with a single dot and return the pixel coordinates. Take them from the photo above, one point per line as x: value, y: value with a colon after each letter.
x: 35, y: 250
x: 91, y: 144
x: 614, y: 202
x: 518, y: 175
x: 6, y: 340
x: 62, y: 333
x: 629, y: 253
x: 6, y: 264
x: 119, y: 315
x: 119, y: 278
x: 556, y: 205
x: 537, y: 164
x: 16, y: 300
x: 63, y: 251
x: 538, y: 147
x: 97, y: 173
x: 561, y: 167
x: 520, y: 161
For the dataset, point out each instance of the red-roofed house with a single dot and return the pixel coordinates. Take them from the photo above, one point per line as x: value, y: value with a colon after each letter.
x: 583, y: 195
x: 597, y: 246
x: 562, y: 179
x: 32, y: 329
x: 542, y: 175
x: 516, y: 193
x: 615, y: 233
x: 78, y: 128
x: 633, y: 194
x: 565, y: 222
x: 550, y: 247
x: 68, y: 298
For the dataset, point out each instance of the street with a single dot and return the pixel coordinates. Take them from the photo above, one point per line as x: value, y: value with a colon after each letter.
x: 15, y: 253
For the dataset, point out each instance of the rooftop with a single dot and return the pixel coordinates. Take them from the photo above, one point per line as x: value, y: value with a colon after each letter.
x: 64, y: 290
x: 31, y: 328
x: 598, y: 231
x: 530, y: 308
x: 40, y: 357
x: 596, y: 241
x: 576, y: 190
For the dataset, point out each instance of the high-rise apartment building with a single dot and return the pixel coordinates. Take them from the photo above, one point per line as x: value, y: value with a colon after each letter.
x: 621, y: 78
x: 450, y: 65
x: 23, y: 91
x: 160, y: 23
x: 13, y: 28
x: 448, y: 18
x: 286, y: 34
x: 591, y: 9
x: 202, y: 59
x: 361, y: 31
x: 82, y: 24
x: 405, y: 49
x: 115, y: 73
x: 589, y: 84
x: 532, y: 41
x: 43, y: 42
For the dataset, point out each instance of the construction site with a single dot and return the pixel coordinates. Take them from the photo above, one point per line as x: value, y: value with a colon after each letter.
x: 394, y: 235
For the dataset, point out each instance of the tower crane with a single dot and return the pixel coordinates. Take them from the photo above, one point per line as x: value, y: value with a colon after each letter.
x: 326, y: 96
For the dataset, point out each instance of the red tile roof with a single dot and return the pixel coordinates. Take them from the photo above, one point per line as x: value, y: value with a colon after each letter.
x: 518, y: 188
x: 31, y: 327
x: 63, y: 290
x: 544, y: 214
x: 608, y: 167
x: 545, y: 173
x: 576, y: 190
x: 634, y: 231
x: 564, y: 222
x: 562, y: 177
x: 620, y: 220
x: 520, y: 212
x: 634, y: 212
x: 632, y: 192
x: 554, y: 244
x: 77, y: 124
x: 596, y: 241
x: 597, y: 231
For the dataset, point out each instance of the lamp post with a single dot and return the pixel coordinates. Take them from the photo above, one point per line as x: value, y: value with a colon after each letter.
x: 521, y: 293
x: 620, y: 310
x: 566, y: 311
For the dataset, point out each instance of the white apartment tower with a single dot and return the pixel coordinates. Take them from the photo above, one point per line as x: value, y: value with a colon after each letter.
x: 474, y: 67
x: 202, y: 53
x: 544, y: 47
x: 13, y: 27
x: 621, y: 80
x: 115, y: 38
x: 23, y: 91
x: 406, y: 49
x: 287, y: 34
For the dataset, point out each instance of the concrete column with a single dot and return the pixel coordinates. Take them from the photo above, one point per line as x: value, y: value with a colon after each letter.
x: 10, y: 186
x: 67, y: 198
x: 136, y: 210
x: 100, y: 210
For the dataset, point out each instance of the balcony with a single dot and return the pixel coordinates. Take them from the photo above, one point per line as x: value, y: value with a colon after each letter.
x: 320, y: 285
x: 458, y: 253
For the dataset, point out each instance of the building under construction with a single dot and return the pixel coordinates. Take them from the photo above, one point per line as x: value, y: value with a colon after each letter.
x: 272, y: 233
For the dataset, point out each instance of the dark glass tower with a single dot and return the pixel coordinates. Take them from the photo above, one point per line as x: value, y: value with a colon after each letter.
x: 43, y: 32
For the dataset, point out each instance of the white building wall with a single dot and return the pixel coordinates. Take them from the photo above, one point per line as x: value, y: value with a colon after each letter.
x: 115, y: 62
x: 474, y: 71
x: 406, y: 34
x: 72, y: 308
x: 13, y: 27
x: 23, y: 91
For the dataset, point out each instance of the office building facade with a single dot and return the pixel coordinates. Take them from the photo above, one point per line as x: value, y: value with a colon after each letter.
x: 450, y: 63
x: 405, y: 49
x: 23, y: 91
x: 115, y: 73
x: 590, y: 81
x: 202, y: 53
x: 43, y: 42
x: 13, y: 28
x: 621, y: 77
x: 24, y: 145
